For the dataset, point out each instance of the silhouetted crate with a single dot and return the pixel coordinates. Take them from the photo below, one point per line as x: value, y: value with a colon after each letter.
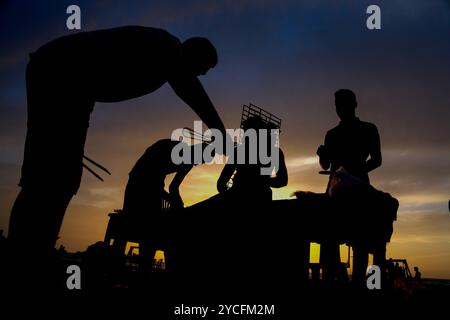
x: 254, y: 111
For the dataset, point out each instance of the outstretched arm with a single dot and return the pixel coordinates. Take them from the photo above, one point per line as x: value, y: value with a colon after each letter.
x: 191, y: 91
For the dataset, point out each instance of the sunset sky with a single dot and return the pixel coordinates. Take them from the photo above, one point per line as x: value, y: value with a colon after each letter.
x: 288, y: 57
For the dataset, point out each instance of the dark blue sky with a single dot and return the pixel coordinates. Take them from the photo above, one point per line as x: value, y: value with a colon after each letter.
x: 286, y: 56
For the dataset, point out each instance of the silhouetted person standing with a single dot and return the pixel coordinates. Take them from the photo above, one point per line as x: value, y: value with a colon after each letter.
x: 65, y: 78
x: 249, y: 186
x: 417, y: 274
x: 354, y: 145
x: 249, y: 199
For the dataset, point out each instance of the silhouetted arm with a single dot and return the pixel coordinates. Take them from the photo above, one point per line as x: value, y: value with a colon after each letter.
x: 225, y: 176
x: 324, y: 154
x: 174, y: 188
x: 191, y: 91
x: 375, y: 152
x: 281, y: 177
x: 324, y: 162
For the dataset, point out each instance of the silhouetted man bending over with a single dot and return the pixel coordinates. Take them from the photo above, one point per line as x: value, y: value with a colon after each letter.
x: 145, y: 187
x: 354, y: 145
x: 145, y: 192
x: 65, y: 78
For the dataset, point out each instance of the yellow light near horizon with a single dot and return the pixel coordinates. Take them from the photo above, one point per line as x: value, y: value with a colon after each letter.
x: 200, y: 184
x: 159, y: 255
x: 132, y: 245
x: 314, y: 255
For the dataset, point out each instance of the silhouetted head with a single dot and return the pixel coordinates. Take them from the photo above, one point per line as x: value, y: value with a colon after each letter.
x: 416, y: 269
x: 199, y: 55
x: 257, y: 123
x: 345, y: 101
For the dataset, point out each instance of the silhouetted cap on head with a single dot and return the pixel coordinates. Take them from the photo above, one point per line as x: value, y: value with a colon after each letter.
x: 200, y: 53
x: 346, y: 103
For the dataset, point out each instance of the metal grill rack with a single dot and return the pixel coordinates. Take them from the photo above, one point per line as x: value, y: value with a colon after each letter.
x: 252, y: 110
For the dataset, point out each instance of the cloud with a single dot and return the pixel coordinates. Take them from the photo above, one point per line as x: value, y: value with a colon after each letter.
x: 424, y: 240
x: 409, y: 173
x: 288, y: 57
x: 302, y: 163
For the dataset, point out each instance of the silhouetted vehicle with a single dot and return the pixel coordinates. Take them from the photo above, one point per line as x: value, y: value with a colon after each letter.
x: 399, y: 269
x: 315, y: 269
x: 286, y: 228
x: 123, y: 228
x: 400, y: 278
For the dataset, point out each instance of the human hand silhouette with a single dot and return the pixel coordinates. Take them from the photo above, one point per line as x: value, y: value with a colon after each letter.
x: 321, y: 151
